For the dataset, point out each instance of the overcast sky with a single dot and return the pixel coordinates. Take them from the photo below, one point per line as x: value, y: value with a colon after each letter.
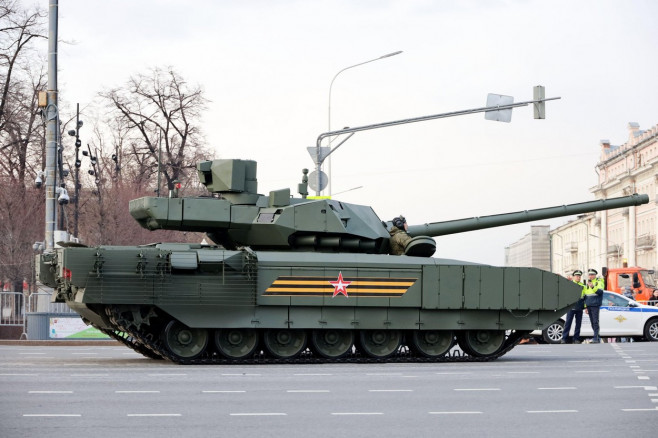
x: 266, y: 67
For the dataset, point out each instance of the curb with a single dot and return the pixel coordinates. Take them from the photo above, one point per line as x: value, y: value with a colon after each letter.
x: 62, y: 343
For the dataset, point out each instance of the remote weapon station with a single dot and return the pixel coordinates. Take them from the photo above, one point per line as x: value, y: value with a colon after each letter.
x: 299, y: 279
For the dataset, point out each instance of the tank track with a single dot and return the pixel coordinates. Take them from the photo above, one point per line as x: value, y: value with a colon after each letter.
x: 150, y: 345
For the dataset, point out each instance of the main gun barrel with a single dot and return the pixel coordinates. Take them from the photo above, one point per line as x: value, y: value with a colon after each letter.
x: 498, y: 220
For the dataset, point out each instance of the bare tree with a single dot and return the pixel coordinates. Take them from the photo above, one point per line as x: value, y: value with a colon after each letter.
x: 161, y: 114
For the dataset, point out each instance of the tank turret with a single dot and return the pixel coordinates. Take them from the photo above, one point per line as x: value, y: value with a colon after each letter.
x: 235, y: 215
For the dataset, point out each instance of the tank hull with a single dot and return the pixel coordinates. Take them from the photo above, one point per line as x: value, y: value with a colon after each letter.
x: 209, y: 289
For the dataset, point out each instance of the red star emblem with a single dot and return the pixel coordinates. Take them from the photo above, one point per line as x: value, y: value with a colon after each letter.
x: 340, y: 285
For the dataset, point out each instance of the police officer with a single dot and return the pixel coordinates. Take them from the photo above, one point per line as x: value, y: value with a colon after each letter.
x: 576, y: 311
x: 399, y: 236
x: 593, y: 293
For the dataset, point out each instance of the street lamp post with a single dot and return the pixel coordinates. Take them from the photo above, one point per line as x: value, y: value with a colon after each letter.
x: 388, y: 55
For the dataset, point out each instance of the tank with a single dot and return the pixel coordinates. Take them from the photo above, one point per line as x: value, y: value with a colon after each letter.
x: 293, y: 279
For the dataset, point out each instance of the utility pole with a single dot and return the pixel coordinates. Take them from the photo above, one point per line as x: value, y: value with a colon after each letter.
x: 52, y: 127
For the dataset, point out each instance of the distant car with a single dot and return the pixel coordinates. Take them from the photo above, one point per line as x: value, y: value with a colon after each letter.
x: 619, y: 317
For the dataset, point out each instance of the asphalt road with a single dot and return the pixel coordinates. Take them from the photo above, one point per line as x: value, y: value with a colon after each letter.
x: 605, y: 390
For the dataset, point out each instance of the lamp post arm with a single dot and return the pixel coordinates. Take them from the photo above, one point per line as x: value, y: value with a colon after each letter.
x: 426, y: 118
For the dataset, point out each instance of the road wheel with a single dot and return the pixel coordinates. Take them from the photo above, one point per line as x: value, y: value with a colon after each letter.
x: 553, y: 333
x: 332, y: 343
x: 184, y: 342
x: 651, y: 330
x: 284, y: 343
x: 481, y: 343
x: 380, y: 344
x: 236, y: 343
x: 431, y: 343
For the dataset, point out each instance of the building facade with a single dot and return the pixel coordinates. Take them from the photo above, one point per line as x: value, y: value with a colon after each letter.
x: 532, y: 250
x: 622, y: 236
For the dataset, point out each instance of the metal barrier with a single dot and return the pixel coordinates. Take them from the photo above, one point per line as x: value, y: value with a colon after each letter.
x: 12, y: 308
x: 31, y: 313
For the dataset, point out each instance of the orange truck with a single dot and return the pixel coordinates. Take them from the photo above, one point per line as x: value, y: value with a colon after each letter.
x: 639, y: 279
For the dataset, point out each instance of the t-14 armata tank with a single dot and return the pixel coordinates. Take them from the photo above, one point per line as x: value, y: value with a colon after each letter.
x: 298, y: 279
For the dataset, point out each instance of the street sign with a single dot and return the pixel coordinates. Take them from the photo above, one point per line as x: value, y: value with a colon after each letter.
x: 313, y: 152
x: 504, y: 115
x: 318, y: 184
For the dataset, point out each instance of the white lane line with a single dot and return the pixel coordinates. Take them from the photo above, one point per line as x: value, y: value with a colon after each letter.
x: 634, y: 366
x: 583, y: 361
x: 647, y: 388
x: 593, y: 371
x: 643, y: 377
x: 240, y: 374
x: 88, y: 375
x: 476, y: 389
x: 654, y: 400
x: 50, y: 392
x: 390, y: 390
x: 559, y: 387
x: 357, y: 413
x: 255, y: 414
x: 557, y: 411
x: 640, y: 410
x: 84, y: 353
x: 307, y: 390
x: 17, y: 374
x: 451, y: 374
x: 221, y: 392
x: 523, y: 372
x: 313, y: 374
x: 31, y: 353
x: 52, y: 415
x: 167, y: 374
x: 454, y: 412
x: 154, y: 415
x: 383, y: 374
x: 137, y: 392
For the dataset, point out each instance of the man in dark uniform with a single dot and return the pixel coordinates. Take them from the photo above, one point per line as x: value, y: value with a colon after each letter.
x: 399, y: 236
x: 577, y: 312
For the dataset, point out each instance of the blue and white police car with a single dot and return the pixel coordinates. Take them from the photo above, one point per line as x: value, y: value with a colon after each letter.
x: 619, y: 317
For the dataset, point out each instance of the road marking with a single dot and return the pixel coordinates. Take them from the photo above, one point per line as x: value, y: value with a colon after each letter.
x: 643, y: 377
x: 357, y: 413
x: 240, y: 374
x: 245, y: 414
x: 17, y: 374
x: 307, y: 390
x: 167, y: 374
x: 631, y: 361
x: 636, y: 410
x: 523, y: 372
x: 593, y: 371
x: 653, y: 395
x: 153, y: 415
x: 313, y: 374
x: 383, y: 374
x: 88, y: 375
x: 454, y: 412
x: 390, y: 390
x: 583, y: 361
x: 52, y: 415
x: 648, y: 388
x: 476, y: 389
x: 455, y: 373
x: 560, y: 387
x: 221, y: 392
x: 84, y: 353
x: 654, y: 400
x: 557, y: 411
x: 31, y: 353
x: 136, y: 392
x: 50, y: 392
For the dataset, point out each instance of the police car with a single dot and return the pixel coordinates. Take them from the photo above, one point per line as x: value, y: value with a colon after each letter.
x: 619, y: 317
